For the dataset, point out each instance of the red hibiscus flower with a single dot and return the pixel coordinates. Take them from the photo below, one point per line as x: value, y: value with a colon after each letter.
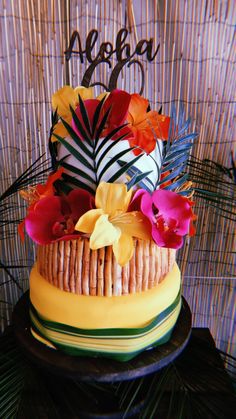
x: 169, y: 213
x: 118, y: 101
x: 53, y: 218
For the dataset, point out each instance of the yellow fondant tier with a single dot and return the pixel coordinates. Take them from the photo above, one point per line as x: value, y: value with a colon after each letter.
x: 94, y: 312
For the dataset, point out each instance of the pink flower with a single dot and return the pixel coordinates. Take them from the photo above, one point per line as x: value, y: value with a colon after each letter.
x: 118, y: 101
x: 53, y: 218
x: 169, y: 213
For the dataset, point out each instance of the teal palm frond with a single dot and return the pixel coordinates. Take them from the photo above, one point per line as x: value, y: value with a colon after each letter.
x: 138, y: 178
x: 176, y: 152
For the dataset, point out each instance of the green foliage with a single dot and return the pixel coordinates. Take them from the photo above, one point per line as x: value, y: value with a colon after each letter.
x: 35, y: 173
x: 92, y: 153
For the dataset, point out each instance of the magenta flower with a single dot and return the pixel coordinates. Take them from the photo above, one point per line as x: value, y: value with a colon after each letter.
x: 53, y: 218
x: 170, y: 215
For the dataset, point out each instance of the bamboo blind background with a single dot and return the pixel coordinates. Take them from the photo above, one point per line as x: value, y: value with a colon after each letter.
x: 195, y: 65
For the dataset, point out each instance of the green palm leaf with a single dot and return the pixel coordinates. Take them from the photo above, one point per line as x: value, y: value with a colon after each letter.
x: 101, y: 127
x: 35, y: 173
x: 97, y: 114
x: 77, y: 171
x: 81, y: 159
x: 108, y: 149
x: 104, y: 141
x: 90, y: 153
x: 80, y: 143
x: 78, y: 183
x: 85, y: 116
x: 114, y: 160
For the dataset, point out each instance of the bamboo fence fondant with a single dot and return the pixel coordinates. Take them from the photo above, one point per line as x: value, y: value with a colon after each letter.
x: 99, y: 273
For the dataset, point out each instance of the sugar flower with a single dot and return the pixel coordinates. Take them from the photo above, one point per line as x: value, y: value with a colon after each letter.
x: 53, y: 218
x: 35, y: 193
x: 145, y: 125
x: 111, y: 225
x: 170, y: 215
x: 62, y: 100
x: 117, y: 101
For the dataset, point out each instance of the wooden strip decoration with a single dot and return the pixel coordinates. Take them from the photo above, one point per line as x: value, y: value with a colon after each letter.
x: 139, y: 265
x: 85, y: 268
x: 66, y: 267
x: 79, y: 266
x: 39, y: 257
x: 100, y: 276
x: 93, y: 273
x: 116, y: 278
x: 50, y: 253
x: 61, y: 264
x: 132, y: 272
x: 40, y: 262
x: 151, y: 279
x: 108, y: 272
x: 72, y: 277
x: 125, y: 279
x: 164, y: 262
x: 145, y: 266
x: 158, y: 271
x: 55, y: 264
x: 46, y: 261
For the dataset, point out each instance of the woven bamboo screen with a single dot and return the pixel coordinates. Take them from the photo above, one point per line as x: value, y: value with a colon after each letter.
x: 195, y: 65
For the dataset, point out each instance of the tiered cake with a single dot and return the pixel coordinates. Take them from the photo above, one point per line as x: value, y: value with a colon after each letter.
x: 107, y: 223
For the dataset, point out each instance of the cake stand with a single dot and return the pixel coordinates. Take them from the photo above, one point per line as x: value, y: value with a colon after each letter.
x: 57, y: 366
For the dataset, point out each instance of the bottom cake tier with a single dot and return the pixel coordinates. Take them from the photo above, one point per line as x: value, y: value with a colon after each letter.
x: 117, y: 327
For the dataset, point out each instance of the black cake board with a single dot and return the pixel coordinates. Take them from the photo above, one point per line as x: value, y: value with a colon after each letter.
x: 87, y: 369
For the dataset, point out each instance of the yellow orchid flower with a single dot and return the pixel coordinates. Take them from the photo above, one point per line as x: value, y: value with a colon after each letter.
x: 62, y: 100
x: 111, y: 225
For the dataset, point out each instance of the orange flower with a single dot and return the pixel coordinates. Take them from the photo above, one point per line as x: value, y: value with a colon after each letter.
x: 35, y: 193
x: 145, y: 125
x: 62, y: 100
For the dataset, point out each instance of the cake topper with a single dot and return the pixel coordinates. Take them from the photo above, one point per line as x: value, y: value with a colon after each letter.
x: 125, y: 56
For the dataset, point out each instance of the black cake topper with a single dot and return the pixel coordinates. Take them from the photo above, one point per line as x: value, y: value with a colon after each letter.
x: 122, y: 51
